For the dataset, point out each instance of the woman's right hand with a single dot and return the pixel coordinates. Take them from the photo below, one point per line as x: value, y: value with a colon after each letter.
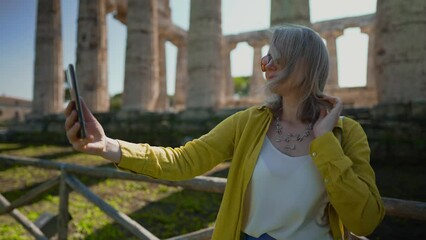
x: 328, y: 119
x: 96, y: 140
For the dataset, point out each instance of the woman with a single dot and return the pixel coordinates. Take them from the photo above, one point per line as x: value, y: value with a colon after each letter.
x: 298, y: 170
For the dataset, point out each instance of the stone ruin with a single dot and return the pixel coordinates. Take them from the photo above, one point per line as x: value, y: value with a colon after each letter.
x: 395, y: 73
x: 391, y: 107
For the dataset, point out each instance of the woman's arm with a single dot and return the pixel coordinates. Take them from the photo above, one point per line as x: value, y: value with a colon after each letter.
x: 194, y: 158
x: 349, y: 179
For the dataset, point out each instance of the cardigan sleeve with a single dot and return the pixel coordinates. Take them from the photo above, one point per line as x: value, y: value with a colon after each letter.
x: 348, y: 177
x: 194, y: 158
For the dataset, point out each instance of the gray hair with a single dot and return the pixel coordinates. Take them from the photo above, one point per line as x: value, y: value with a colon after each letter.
x: 299, y: 49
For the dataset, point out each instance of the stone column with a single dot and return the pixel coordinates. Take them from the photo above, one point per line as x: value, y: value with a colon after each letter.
x: 181, y: 77
x: 229, y: 82
x: 141, y: 81
x: 371, y: 81
x: 256, y: 81
x: 48, y: 68
x: 204, y: 54
x: 163, y: 99
x: 221, y: 88
x: 91, y: 66
x: 290, y: 11
x: 400, y: 51
x: 333, y: 76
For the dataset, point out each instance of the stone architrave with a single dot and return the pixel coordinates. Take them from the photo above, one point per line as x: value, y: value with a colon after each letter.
x: 333, y: 76
x: 256, y: 81
x: 401, y: 51
x: 141, y: 81
x: 48, y: 68
x: 91, y: 66
x: 290, y: 11
x: 205, y: 64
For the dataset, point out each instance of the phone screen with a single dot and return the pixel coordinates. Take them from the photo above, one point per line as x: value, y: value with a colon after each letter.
x: 70, y: 76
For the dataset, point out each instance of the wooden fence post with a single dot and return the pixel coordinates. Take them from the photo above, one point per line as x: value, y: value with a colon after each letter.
x: 63, y: 216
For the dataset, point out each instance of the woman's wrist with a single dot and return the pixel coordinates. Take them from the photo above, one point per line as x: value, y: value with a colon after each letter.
x: 318, y: 133
x: 112, y: 150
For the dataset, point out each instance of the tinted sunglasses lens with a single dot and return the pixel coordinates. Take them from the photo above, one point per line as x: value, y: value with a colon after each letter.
x: 264, y: 61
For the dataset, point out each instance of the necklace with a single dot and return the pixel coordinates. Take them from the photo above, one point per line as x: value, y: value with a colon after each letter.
x: 290, y: 137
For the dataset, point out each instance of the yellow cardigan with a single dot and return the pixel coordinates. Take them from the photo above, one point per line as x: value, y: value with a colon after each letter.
x: 355, y: 201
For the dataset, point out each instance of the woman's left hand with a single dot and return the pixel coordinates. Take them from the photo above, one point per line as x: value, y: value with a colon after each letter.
x: 327, y: 120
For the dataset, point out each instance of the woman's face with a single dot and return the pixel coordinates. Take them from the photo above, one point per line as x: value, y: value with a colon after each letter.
x: 273, y: 69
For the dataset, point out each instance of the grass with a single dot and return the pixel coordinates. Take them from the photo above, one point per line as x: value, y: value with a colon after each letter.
x: 165, y: 211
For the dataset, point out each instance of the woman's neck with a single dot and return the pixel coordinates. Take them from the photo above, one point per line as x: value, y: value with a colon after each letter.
x: 290, y: 108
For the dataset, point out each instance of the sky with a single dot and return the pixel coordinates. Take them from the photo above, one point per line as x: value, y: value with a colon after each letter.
x: 18, y: 24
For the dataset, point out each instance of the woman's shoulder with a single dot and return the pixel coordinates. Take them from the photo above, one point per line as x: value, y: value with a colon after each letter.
x: 348, y: 121
x: 350, y: 125
x: 252, y: 114
x: 253, y: 111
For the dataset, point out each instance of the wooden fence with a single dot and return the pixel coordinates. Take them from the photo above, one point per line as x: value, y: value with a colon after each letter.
x: 67, y: 181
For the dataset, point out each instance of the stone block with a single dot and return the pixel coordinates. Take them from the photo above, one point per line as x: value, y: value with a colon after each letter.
x: 195, y: 113
x: 386, y: 112
x: 418, y: 111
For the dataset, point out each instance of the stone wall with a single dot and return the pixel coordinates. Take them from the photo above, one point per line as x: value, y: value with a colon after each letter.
x: 13, y: 109
x: 396, y: 133
x: 169, y: 129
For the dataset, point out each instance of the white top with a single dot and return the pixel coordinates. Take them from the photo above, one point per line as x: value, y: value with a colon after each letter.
x: 286, y: 197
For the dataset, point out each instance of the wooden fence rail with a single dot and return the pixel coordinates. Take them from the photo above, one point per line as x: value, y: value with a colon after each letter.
x: 24, y: 221
x: 118, y: 216
x: 394, y: 207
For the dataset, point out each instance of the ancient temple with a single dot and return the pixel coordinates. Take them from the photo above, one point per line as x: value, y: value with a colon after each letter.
x: 395, y: 71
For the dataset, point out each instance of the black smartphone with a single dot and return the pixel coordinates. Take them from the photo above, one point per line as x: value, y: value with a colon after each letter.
x: 71, y: 79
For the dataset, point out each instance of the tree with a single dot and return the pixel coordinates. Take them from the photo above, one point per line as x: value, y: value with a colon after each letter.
x: 116, y: 102
x: 241, y: 85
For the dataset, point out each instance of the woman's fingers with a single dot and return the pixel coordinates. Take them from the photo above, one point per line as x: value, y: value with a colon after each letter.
x: 80, y: 144
x: 69, y: 108
x: 94, y: 143
x: 322, y: 114
x: 335, y: 101
x: 72, y: 133
x: 72, y: 126
x: 337, y: 106
x: 330, y: 99
x: 70, y: 120
x: 328, y: 118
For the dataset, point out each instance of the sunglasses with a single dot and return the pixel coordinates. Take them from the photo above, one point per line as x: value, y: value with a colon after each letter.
x: 265, y: 60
